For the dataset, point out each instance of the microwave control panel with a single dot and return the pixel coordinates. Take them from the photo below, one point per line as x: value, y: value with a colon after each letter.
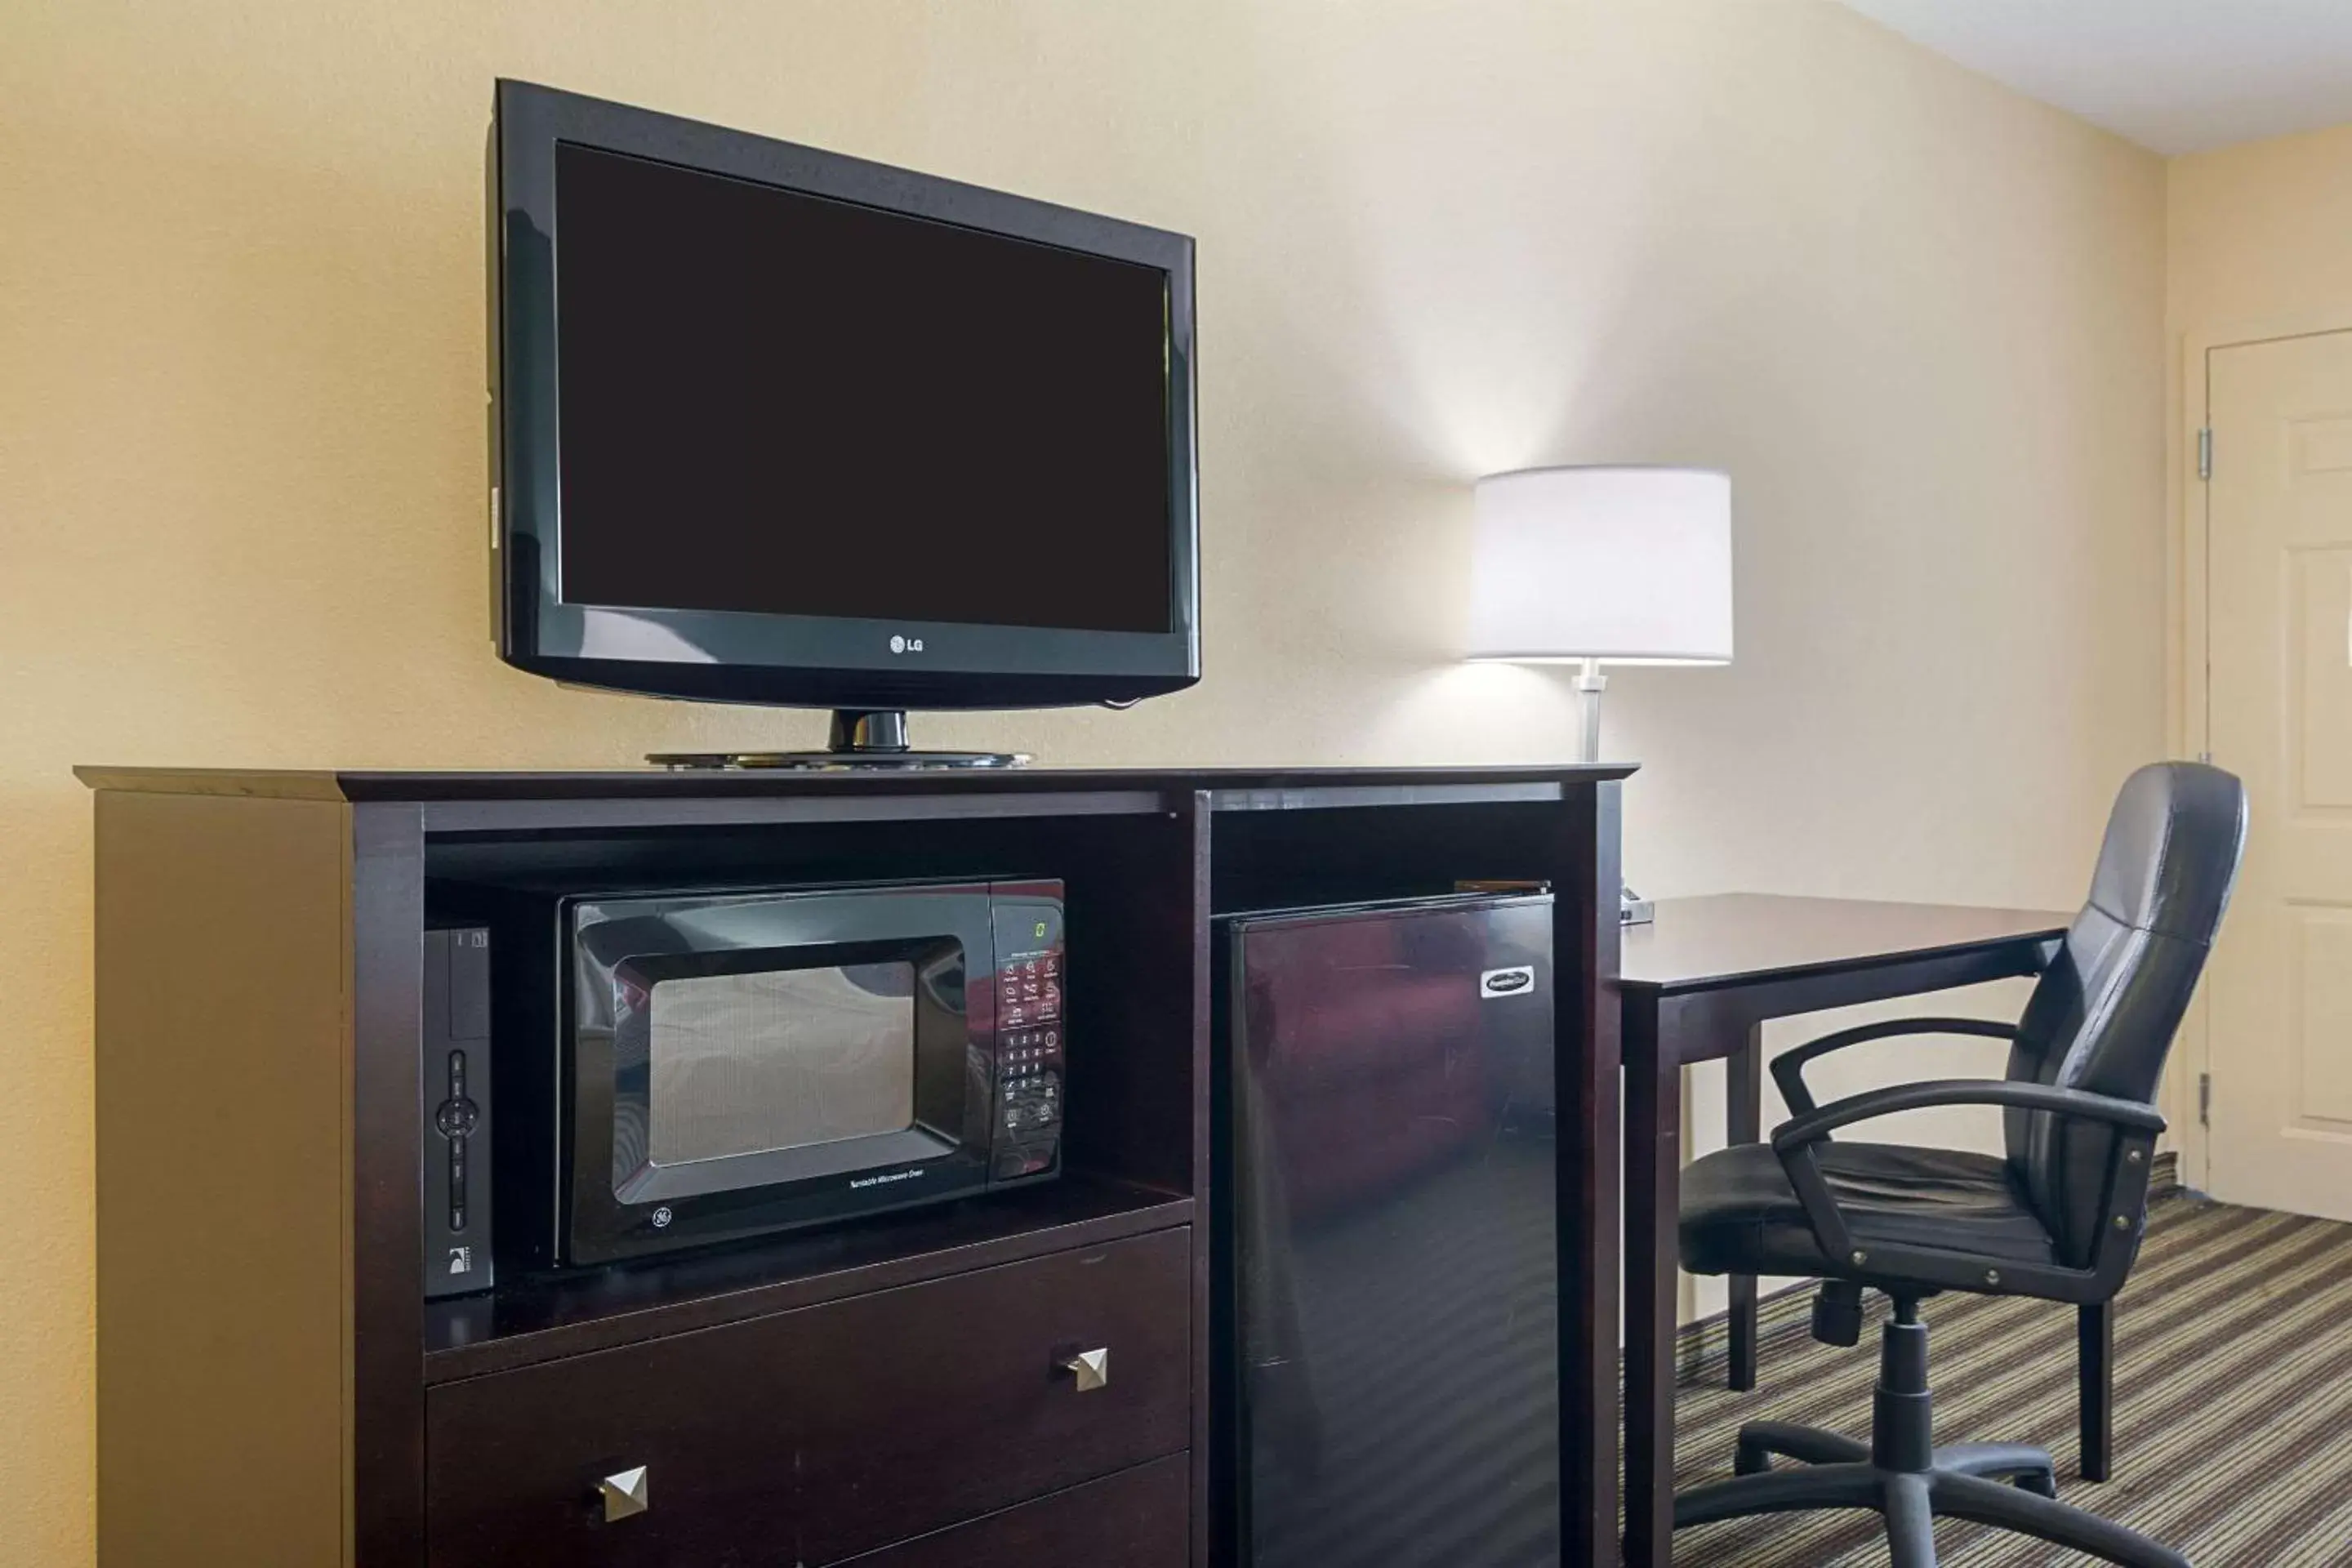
x: 1031, y: 1030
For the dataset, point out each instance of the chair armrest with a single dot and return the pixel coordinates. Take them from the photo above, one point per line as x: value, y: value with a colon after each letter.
x: 1815, y: 1127
x: 1789, y: 1067
x: 1798, y: 1143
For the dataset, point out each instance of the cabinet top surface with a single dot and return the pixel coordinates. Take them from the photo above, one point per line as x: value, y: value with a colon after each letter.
x: 663, y: 784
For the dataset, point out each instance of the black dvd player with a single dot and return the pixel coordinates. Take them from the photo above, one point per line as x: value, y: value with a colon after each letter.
x: 457, y: 1128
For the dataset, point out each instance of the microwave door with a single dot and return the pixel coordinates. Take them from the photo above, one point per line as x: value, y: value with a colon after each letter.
x: 1394, y: 1215
x: 742, y: 1063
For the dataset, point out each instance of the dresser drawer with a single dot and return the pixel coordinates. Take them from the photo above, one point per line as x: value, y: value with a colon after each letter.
x: 1136, y: 1519
x: 810, y: 1436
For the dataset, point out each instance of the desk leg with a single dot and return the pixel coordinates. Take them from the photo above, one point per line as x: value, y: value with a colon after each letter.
x: 1653, y: 1121
x: 2094, y: 1373
x: 1744, y: 1082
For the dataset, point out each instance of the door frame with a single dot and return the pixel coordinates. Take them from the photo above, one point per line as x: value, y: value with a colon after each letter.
x: 2188, y: 624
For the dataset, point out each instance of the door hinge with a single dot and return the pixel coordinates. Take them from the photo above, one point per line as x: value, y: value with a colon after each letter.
x: 2204, y: 1100
x: 2205, y: 453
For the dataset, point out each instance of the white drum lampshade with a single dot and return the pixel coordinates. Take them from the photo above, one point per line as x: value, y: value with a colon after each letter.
x: 1615, y: 565
x: 1625, y: 565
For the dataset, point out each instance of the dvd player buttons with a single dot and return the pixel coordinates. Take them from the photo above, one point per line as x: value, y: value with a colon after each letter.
x: 454, y: 1119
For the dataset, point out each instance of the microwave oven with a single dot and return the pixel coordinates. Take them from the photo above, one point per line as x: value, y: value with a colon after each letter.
x: 699, y: 1065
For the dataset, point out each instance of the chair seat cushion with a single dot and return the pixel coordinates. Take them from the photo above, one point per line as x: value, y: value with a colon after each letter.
x: 1740, y: 1215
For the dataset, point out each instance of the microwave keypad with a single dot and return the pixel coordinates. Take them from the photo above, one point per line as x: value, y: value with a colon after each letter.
x: 1029, y: 991
x: 1029, y: 1042
x: 1031, y: 1075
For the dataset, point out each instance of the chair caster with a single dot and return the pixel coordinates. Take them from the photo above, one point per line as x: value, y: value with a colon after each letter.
x: 2040, y: 1483
x: 1748, y: 1460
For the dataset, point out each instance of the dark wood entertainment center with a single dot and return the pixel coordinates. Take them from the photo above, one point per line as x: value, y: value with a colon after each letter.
x: 275, y: 1390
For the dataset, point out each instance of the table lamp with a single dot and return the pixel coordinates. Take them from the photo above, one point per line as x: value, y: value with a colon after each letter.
x: 1602, y: 566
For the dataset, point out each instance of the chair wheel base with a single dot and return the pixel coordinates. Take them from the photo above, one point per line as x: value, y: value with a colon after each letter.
x: 1964, y: 1481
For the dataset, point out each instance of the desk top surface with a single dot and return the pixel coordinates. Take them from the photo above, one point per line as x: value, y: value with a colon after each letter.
x: 1727, y: 938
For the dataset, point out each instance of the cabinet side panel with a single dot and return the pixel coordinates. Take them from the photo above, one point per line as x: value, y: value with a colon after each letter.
x: 1586, y: 942
x: 223, y: 1044
x: 386, y: 1510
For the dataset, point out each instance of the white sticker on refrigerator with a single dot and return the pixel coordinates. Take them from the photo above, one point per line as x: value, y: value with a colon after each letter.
x: 1507, y: 982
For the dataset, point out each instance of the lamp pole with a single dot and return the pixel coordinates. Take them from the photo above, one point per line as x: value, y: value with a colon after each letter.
x: 1589, y: 684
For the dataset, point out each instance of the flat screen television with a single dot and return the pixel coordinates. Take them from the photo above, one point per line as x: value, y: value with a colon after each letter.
x: 777, y: 425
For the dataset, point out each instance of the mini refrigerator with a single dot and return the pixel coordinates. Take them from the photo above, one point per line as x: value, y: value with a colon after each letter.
x: 1387, y: 1331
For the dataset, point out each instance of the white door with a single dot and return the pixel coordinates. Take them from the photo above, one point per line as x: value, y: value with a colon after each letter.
x: 2279, y: 695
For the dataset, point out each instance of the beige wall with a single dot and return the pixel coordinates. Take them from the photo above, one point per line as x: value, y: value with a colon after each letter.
x: 1918, y: 318
x: 2259, y: 235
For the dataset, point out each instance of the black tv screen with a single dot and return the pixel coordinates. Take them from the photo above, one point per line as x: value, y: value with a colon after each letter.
x: 775, y: 424
x: 827, y: 409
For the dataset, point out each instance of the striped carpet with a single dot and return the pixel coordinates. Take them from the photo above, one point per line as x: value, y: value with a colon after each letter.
x: 2233, y: 1395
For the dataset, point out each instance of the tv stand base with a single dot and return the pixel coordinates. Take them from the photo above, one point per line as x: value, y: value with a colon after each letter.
x: 863, y: 740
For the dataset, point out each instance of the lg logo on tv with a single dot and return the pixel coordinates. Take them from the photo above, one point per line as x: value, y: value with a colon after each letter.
x: 905, y: 645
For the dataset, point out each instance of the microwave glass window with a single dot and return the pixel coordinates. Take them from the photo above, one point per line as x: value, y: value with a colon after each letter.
x: 779, y: 1059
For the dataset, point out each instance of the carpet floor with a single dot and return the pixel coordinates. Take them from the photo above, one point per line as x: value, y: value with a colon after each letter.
x: 2233, y: 1403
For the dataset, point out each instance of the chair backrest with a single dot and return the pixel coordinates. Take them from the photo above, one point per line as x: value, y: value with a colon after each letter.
x: 2104, y: 1016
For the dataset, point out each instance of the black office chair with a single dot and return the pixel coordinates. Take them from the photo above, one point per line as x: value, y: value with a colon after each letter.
x: 2059, y: 1218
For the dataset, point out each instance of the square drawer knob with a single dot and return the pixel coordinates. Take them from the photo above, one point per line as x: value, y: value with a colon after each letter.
x: 625, y: 1494
x: 1089, y: 1369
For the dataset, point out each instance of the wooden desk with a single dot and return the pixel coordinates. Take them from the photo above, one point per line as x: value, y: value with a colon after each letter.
x: 1696, y: 985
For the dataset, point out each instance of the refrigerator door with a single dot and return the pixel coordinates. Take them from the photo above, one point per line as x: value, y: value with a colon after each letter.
x: 1392, y: 1280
